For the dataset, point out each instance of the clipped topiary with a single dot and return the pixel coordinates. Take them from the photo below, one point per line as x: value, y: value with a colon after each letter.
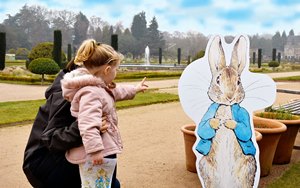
x: 43, y: 50
x: 43, y: 66
x: 273, y: 64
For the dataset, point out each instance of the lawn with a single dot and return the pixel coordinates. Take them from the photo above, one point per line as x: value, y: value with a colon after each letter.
x: 290, y: 179
x: 19, y: 112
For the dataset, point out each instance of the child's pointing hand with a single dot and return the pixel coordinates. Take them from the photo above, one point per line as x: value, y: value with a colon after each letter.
x: 141, y: 86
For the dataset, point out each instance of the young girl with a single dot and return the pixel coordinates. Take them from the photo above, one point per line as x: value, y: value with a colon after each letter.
x: 92, y: 94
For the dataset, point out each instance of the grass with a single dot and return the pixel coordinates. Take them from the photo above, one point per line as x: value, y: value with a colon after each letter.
x: 19, y: 112
x: 291, y: 78
x: 122, y: 76
x: 289, y: 179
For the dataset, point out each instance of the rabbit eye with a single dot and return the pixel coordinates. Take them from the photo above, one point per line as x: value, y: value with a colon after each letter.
x: 239, y: 81
x: 218, y: 80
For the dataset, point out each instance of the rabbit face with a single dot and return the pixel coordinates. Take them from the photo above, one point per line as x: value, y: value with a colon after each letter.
x: 226, y: 86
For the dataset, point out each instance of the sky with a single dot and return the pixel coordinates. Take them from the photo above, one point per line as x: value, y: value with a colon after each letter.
x: 225, y: 17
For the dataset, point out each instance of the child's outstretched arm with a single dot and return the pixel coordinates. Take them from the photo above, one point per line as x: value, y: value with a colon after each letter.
x: 141, y: 87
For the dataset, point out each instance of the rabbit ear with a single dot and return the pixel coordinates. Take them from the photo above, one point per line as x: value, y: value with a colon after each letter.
x: 239, y: 55
x: 216, y: 55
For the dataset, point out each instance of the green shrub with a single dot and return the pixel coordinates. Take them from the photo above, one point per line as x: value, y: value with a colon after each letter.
x: 11, y: 51
x: 22, y: 53
x: 43, y: 66
x: 43, y: 50
x: 273, y: 64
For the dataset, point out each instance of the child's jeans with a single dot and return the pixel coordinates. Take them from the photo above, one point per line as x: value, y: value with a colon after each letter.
x: 99, y: 176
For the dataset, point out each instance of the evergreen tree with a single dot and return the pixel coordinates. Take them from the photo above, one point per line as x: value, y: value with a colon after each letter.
x: 279, y: 57
x: 139, y: 32
x: 114, y: 41
x: 276, y: 41
x: 2, y: 50
x: 291, y: 33
x: 98, y: 34
x: 106, y: 34
x: 259, y: 58
x: 160, y: 56
x: 283, y: 40
x: 178, y: 55
x: 127, y: 43
x: 153, y: 37
x: 69, y: 53
x: 139, y: 26
x: 274, y: 54
x: 80, y: 29
x: 57, y: 46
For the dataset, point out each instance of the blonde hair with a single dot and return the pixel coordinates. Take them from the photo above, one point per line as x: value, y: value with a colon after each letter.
x: 92, y: 54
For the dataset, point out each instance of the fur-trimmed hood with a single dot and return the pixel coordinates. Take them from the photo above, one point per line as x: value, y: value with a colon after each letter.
x: 77, y: 79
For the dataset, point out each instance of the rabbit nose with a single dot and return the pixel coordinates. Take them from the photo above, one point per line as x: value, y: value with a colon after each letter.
x: 230, y: 99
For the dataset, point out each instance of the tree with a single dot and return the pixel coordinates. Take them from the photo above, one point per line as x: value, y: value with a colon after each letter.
x: 291, y: 33
x: 28, y: 27
x: 139, y: 32
x: 160, y: 56
x: 273, y: 64
x: 259, y: 58
x: 63, y: 20
x: 43, y: 50
x: 254, y: 57
x: 277, y: 41
x: 283, y: 40
x: 178, y: 55
x: 43, y: 66
x: 98, y: 34
x: 69, y: 53
x: 2, y: 50
x: 57, y: 47
x: 139, y: 26
x: 80, y: 29
x: 154, y: 38
x: 274, y: 54
x: 114, y: 41
x: 106, y: 34
x: 127, y: 43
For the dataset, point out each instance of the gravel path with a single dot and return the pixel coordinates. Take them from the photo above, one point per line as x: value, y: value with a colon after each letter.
x: 153, y: 144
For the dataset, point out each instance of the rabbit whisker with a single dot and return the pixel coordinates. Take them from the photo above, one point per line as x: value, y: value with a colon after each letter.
x: 251, y: 89
x: 261, y: 99
x: 251, y: 84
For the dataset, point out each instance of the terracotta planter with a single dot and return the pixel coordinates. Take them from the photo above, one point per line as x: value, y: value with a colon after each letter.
x: 271, y: 131
x: 189, y: 140
x: 286, y: 142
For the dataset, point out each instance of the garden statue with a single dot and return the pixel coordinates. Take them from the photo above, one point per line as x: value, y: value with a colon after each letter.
x: 220, y: 94
x: 147, y: 56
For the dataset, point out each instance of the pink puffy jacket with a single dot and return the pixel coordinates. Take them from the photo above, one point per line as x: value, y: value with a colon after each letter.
x: 90, y: 100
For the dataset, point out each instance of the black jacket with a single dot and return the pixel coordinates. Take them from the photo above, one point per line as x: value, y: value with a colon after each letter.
x: 53, y: 132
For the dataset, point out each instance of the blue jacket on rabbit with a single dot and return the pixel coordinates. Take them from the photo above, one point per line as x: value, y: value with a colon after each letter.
x: 242, y: 130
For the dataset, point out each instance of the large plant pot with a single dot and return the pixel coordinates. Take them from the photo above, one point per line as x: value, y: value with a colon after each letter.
x: 189, y: 140
x: 271, y: 131
x: 287, y: 139
x: 286, y: 142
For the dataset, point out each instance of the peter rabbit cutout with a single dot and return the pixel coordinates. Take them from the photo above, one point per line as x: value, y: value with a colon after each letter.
x: 219, y: 93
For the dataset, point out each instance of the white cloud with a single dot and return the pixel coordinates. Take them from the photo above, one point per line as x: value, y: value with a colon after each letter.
x: 265, y: 17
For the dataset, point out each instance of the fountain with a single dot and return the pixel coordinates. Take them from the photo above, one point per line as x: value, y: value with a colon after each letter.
x: 147, y: 56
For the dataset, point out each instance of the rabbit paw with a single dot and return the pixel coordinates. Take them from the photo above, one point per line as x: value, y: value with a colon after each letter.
x: 214, y: 123
x: 231, y: 124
